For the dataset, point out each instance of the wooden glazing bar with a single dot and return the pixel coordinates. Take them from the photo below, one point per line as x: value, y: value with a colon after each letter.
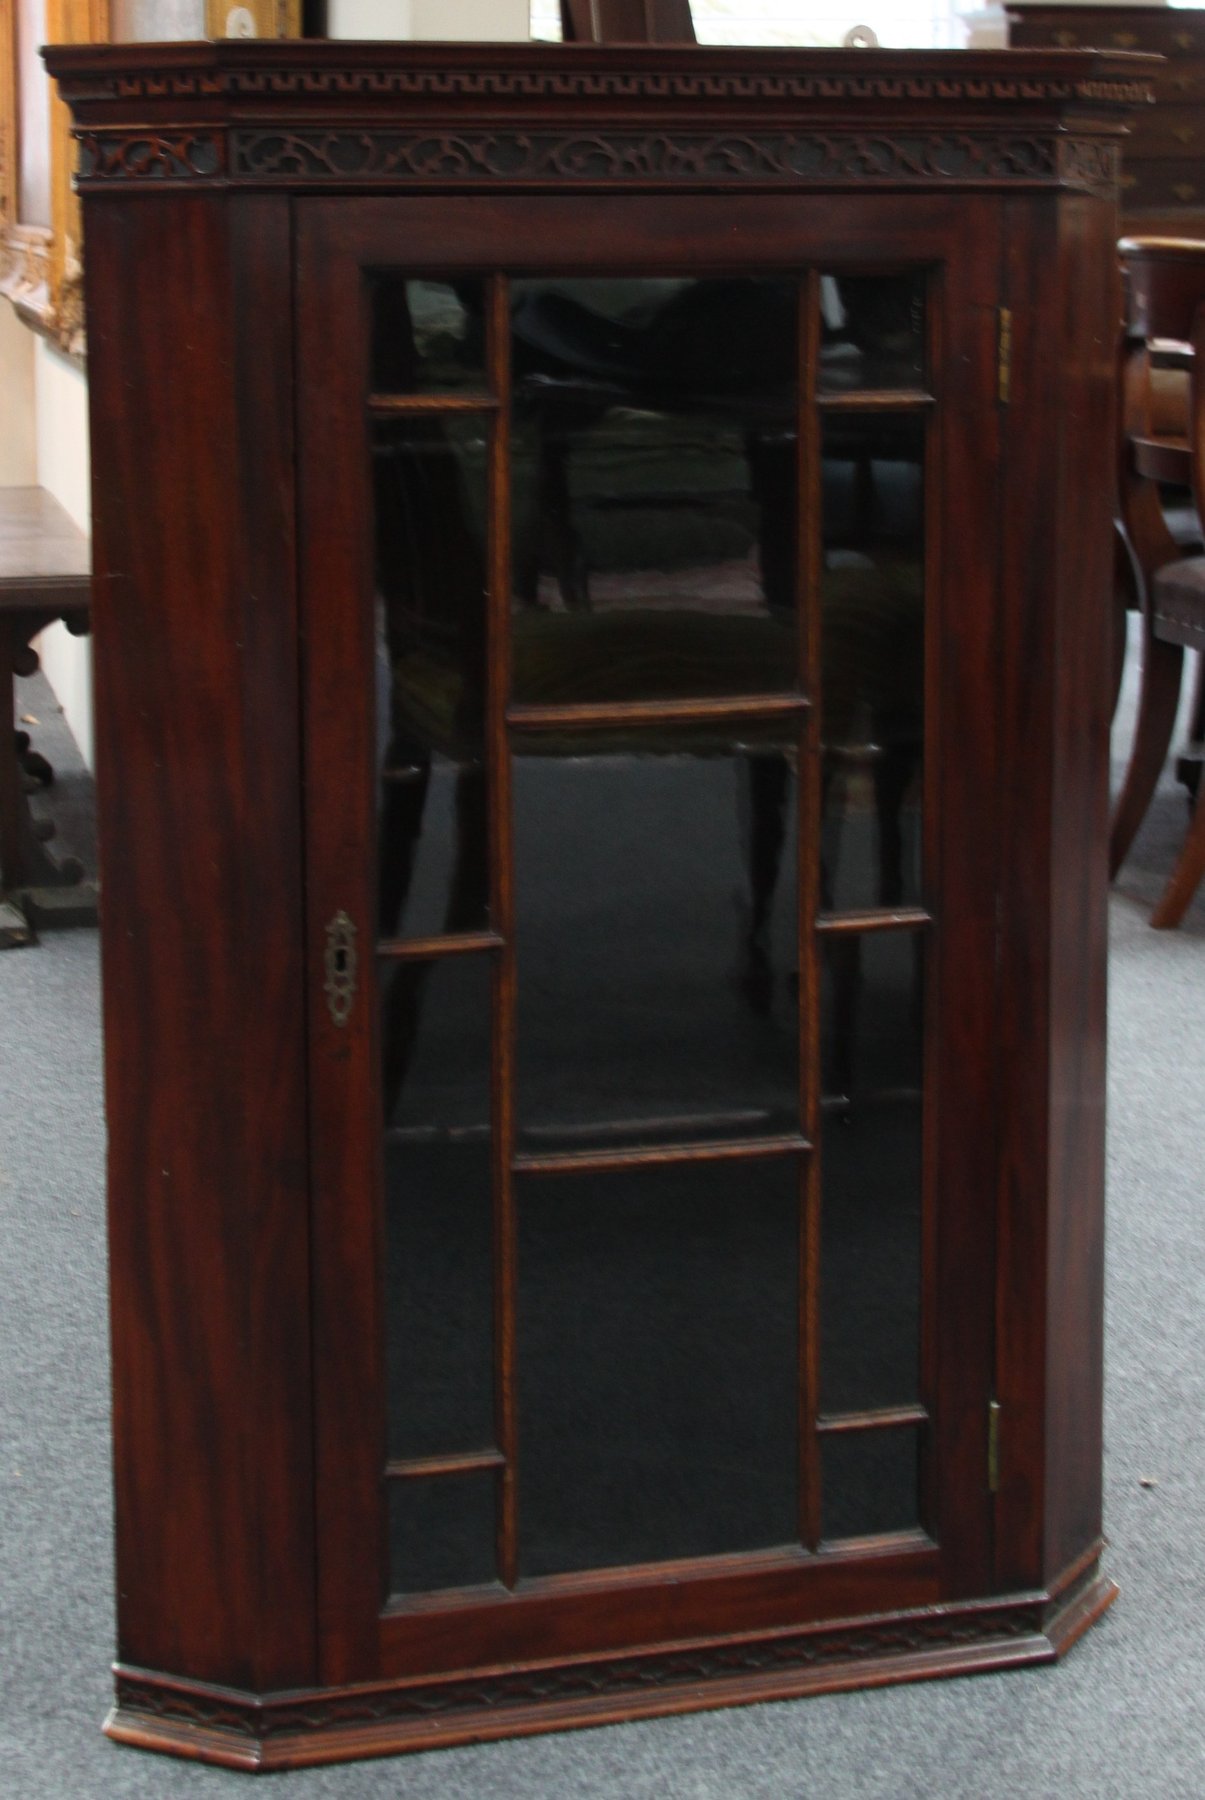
x: 883, y: 1096
x: 401, y: 406
x: 936, y: 750
x: 430, y: 949
x: 877, y: 400
x: 873, y: 919
x: 650, y: 1156
x: 502, y: 912
x: 810, y: 553
x: 874, y: 1418
x: 596, y: 715
x: 742, y: 1123
x: 422, y: 1468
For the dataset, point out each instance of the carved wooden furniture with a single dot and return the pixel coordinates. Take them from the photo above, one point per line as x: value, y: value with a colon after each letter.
x: 600, y: 556
x: 1178, y: 608
x: 1163, y: 162
x: 1155, y: 477
x: 44, y: 576
x: 1165, y: 331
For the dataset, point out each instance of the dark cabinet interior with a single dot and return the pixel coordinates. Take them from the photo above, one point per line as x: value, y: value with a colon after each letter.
x: 675, y: 1070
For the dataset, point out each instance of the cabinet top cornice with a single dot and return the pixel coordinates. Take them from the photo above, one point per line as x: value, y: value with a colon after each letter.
x: 306, y: 73
x: 306, y: 114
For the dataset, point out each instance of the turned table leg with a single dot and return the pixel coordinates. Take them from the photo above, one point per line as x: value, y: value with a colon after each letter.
x: 11, y: 800
x: 14, y: 928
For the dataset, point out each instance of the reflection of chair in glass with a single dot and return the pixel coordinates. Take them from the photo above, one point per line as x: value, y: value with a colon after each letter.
x: 1166, y: 288
x: 618, y: 387
x: 873, y: 635
x: 873, y: 684
x: 655, y: 498
x: 430, y: 582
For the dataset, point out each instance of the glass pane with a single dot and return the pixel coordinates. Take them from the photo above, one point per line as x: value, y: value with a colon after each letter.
x: 441, y: 1533
x: 435, y: 1032
x: 872, y: 332
x: 428, y: 337
x: 656, y: 938
x: 873, y: 660
x: 654, y: 488
x: 871, y: 1164
x: 430, y: 485
x: 871, y: 1482
x: 657, y: 1364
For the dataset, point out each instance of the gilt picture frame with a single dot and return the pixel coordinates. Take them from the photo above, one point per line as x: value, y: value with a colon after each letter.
x: 41, y: 261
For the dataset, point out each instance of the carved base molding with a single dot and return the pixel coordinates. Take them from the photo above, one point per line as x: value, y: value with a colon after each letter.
x: 278, y: 1731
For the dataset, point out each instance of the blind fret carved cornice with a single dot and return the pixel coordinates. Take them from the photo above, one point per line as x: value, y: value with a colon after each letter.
x: 360, y: 158
x: 390, y: 116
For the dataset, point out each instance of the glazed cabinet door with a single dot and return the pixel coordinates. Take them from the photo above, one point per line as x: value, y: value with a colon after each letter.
x: 649, y: 645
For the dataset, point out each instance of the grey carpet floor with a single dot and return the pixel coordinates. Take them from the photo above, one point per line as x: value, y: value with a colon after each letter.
x: 1123, y: 1717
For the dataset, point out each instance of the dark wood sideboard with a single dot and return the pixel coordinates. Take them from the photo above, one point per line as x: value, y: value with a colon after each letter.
x: 1163, y: 162
x: 601, y: 560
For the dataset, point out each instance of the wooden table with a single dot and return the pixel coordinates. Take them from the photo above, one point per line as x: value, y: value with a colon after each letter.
x: 45, y: 574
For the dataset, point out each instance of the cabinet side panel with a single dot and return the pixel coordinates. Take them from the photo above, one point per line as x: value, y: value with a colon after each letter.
x: 1061, y: 287
x: 1079, y: 878
x: 1029, y: 505
x: 198, y: 769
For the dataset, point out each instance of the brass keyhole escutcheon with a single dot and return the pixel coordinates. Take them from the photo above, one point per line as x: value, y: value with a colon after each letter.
x: 340, y: 963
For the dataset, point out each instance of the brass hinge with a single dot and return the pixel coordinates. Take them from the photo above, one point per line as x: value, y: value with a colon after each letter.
x: 993, y: 1447
x: 1004, y: 354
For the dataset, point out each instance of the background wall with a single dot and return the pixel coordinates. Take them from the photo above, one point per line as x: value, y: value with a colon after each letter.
x: 60, y: 397
x: 136, y: 21
x: 18, y: 443
x: 491, y: 20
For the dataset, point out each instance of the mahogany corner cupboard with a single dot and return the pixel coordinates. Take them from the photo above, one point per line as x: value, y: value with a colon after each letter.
x: 603, y: 676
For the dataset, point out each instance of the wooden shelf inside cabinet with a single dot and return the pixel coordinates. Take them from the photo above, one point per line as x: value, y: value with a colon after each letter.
x: 605, y: 1139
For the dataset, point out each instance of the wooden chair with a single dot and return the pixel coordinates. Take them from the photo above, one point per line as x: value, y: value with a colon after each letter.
x: 1165, y: 331
x: 627, y: 22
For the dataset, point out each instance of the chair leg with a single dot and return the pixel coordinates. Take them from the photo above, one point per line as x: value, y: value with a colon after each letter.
x: 1125, y: 600
x: 1186, y: 876
x: 1158, y: 701
x: 1196, y: 721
